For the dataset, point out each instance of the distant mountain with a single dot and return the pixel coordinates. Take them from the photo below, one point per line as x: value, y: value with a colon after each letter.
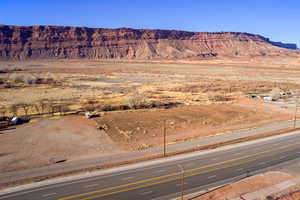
x: 46, y: 42
x: 285, y: 45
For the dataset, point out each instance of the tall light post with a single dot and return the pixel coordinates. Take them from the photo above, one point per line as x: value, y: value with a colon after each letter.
x: 182, y: 181
x: 296, y: 109
x: 164, y: 131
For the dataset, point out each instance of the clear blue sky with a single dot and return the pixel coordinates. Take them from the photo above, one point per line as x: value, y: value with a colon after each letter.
x: 277, y: 19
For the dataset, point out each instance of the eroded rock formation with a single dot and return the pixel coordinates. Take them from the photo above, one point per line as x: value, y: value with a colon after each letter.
x: 44, y: 42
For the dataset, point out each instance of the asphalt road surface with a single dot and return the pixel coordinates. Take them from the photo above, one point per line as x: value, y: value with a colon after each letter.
x: 166, y: 179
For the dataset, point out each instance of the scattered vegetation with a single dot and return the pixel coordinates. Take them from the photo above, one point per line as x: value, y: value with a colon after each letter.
x: 23, y: 78
x: 137, y: 100
x: 42, y: 107
x: 109, y: 89
x: 30, y: 79
x: 276, y: 93
x: 9, y: 69
x: 217, y: 96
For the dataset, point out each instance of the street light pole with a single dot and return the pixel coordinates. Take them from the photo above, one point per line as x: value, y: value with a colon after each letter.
x: 164, y: 137
x: 182, y: 181
x: 296, y: 109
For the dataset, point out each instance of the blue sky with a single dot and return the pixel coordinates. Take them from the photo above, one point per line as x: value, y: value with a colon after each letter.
x: 277, y: 19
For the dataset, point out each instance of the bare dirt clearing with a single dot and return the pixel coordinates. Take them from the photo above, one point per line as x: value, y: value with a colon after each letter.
x: 143, y: 128
x: 34, y: 144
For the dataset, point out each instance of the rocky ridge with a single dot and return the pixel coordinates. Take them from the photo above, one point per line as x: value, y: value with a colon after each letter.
x: 46, y: 42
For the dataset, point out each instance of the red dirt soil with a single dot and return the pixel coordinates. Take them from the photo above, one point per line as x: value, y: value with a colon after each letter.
x: 292, y: 193
x: 248, y: 185
x: 143, y: 128
x: 34, y: 144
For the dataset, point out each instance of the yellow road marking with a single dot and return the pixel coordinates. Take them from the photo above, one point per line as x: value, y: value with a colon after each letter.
x: 164, y: 176
x: 176, y: 178
x: 176, y: 173
x: 165, y: 181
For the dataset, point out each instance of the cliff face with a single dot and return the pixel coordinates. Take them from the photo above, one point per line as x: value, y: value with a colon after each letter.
x: 41, y: 42
x: 285, y: 45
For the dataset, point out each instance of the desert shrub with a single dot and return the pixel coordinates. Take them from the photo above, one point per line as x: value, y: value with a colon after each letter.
x: 107, y: 107
x: 37, y: 108
x: 13, y: 109
x: 120, y: 107
x: 48, y: 80
x: 16, y: 78
x: 23, y: 78
x: 57, y: 108
x: 124, y: 107
x: 42, y: 107
x: 1, y: 81
x: 157, y: 104
x: 2, y: 111
x: 29, y: 79
x: 187, y: 88
x: 25, y: 108
x: 88, y: 107
x: 137, y: 100
x: 63, y: 108
x: 216, y: 96
x: 9, y: 69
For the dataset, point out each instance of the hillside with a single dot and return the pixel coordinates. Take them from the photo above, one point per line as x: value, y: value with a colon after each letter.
x: 44, y: 42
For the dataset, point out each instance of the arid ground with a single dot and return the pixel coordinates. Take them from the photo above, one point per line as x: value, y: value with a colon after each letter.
x: 196, y: 98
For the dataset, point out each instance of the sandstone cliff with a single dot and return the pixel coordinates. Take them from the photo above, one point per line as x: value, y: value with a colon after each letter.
x: 285, y: 45
x: 41, y: 42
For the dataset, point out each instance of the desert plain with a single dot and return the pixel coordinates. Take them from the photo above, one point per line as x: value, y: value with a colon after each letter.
x: 132, y: 99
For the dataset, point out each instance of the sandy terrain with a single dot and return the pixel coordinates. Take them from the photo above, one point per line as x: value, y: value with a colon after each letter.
x: 34, y: 144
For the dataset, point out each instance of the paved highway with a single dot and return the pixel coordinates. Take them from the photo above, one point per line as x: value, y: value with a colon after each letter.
x: 162, y: 179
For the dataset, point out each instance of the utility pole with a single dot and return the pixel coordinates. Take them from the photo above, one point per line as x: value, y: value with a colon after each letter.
x: 164, y: 130
x: 182, y: 181
x: 296, y: 109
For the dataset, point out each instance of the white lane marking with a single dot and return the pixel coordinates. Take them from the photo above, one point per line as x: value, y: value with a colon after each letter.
x: 236, y: 154
x: 214, y: 158
x: 123, y: 170
x: 145, y: 193
x: 92, y: 185
x: 50, y: 194
x: 162, y: 170
x: 282, y: 157
x: 213, y: 176
x: 127, y: 178
x: 180, y: 184
x: 262, y: 163
x: 241, y: 169
x: 259, y: 148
